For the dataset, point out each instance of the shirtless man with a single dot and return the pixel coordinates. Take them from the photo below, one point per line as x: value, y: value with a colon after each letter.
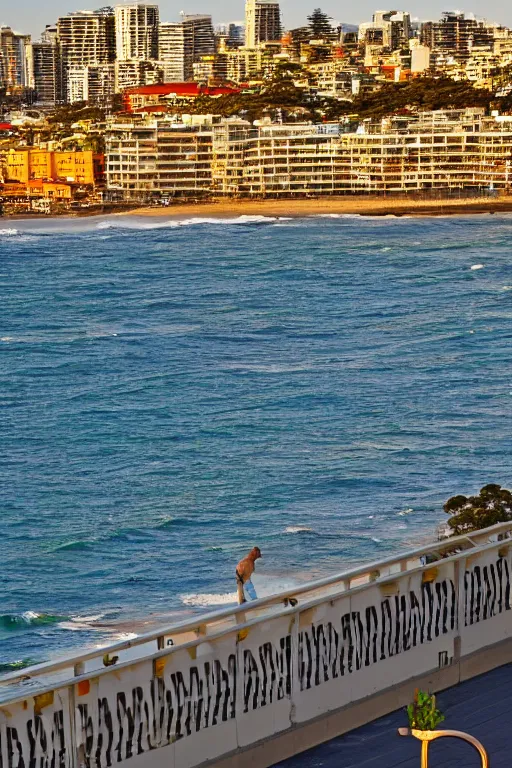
x: 244, y: 571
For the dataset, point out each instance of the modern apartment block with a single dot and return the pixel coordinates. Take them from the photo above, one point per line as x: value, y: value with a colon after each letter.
x: 433, y: 150
x: 158, y: 158
x: 130, y: 74
x: 388, y: 29
x: 454, y: 35
x: 183, y: 43
x: 95, y: 83
x: 136, y: 34
x: 171, y: 43
x: 84, y: 38
x: 262, y: 22
x: 15, y: 66
x: 446, y: 150
x: 45, y: 64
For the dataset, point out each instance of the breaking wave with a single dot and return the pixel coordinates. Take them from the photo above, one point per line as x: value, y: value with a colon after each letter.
x: 14, y: 621
x: 151, y: 224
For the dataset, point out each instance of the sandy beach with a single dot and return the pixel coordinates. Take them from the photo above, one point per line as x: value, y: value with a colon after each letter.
x: 363, y: 206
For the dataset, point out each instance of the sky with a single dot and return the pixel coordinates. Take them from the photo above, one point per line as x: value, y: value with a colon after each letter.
x: 31, y: 16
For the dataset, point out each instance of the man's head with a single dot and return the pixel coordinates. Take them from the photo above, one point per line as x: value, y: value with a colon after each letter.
x: 255, y: 553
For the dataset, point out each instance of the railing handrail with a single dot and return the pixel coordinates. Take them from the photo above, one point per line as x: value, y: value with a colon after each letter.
x: 276, y: 599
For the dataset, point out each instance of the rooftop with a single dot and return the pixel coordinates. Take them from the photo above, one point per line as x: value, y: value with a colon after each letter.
x: 480, y: 707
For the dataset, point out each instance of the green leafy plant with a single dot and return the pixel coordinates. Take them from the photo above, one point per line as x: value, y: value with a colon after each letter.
x: 422, y: 713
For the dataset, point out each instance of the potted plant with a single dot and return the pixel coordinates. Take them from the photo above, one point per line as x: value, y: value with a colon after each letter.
x: 422, y: 713
x: 424, y: 717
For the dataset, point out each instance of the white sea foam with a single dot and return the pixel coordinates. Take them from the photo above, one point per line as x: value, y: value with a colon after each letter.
x: 477, y: 266
x: 507, y: 288
x: 120, y: 637
x: 209, y: 599
x: 29, y: 616
x: 149, y: 224
x: 407, y: 511
x: 337, y: 216
x: 88, y: 619
x: 8, y: 232
x: 297, y: 529
x: 272, y: 368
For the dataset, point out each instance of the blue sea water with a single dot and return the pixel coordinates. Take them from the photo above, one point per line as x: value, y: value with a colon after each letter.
x: 172, y: 395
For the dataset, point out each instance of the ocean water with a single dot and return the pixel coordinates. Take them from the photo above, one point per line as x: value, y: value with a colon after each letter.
x: 174, y: 394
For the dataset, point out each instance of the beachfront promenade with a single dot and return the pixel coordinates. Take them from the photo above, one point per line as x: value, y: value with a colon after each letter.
x: 257, y: 684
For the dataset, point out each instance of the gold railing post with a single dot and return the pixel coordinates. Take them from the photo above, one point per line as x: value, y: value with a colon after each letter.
x: 424, y: 754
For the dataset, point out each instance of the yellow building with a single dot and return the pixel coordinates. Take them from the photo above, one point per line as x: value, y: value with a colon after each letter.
x: 17, y: 166
x: 50, y: 190
x: 74, y: 166
x: 28, y: 164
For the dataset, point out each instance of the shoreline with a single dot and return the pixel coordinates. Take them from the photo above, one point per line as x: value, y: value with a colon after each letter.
x: 296, y: 208
x: 361, y: 206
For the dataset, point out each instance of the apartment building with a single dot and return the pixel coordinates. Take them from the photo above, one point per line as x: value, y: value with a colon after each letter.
x: 29, y: 164
x: 455, y: 35
x: 262, y: 22
x: 171, y: 42
x: 152, y: 158
x: 84, y: 38
x: 183, y: 43
x: 45, y: 63
x: 130, y: 74
x: 434, y: 150
x: 15, y: 67
x: 136, y: 32
x: 388, y: 29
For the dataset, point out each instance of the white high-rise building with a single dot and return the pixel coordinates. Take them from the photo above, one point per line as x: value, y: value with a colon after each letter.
x: 172, y: 51
x: 262, y: 22
x: 136, y: 32
x: 184, y: 42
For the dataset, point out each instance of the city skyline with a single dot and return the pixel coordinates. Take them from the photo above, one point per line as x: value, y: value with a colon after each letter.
x: 30, y: 17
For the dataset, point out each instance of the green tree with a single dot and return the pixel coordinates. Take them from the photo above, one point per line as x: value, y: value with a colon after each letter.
x: 320, y: 26
x: 492, y: 505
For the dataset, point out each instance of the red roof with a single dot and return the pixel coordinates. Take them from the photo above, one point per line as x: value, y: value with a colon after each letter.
x: 181, y: 89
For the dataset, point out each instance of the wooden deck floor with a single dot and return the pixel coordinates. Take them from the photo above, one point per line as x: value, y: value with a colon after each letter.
x: 482, y: 707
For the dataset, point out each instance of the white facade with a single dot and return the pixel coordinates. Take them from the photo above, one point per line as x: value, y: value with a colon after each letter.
x: 420, y: 58
x: 262, y: 22
x: 136, y: 32
x: 172, y: 51
x: 130, y: 74
x: 77, y: 84
x: 183, y: 43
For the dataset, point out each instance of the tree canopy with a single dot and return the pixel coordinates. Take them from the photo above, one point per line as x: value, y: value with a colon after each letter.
x: 492, y: 505
x: 320, y: 25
